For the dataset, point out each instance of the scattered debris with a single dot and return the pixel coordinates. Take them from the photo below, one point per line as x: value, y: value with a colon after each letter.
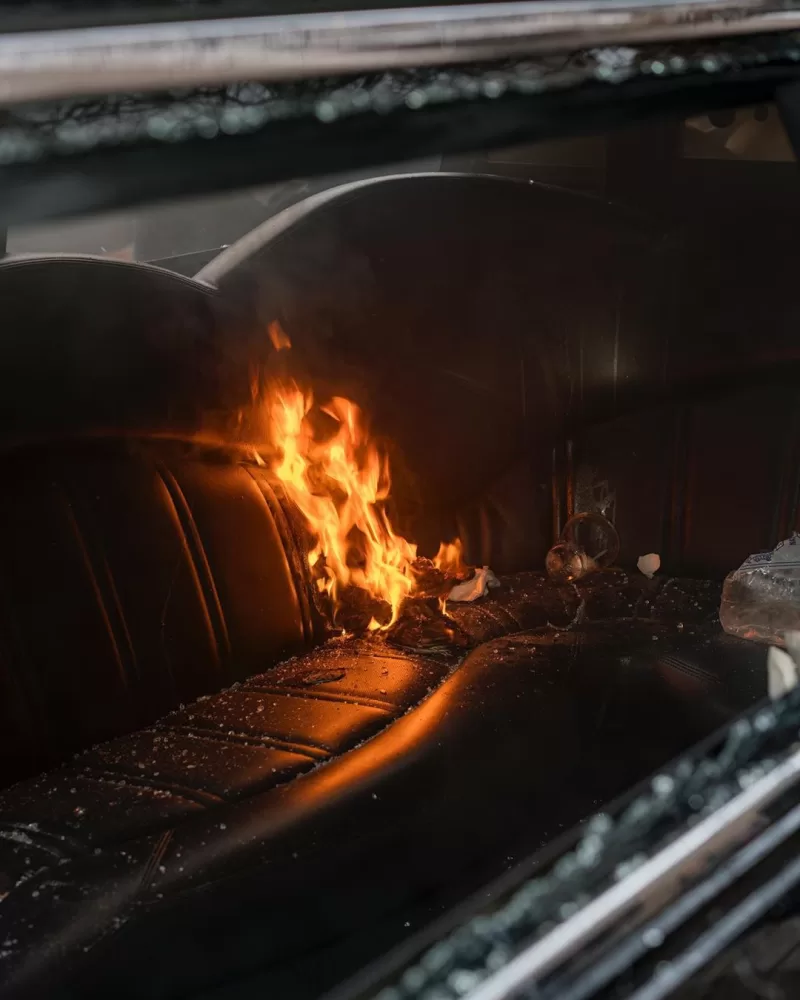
x: 589, y: 542
x: 425, y: 627
x: 649, y: 564
x: 477, y: 586
x: 781, y: 673
x: 761, y: 599
x: 308, y: 678
x: 437, y: 577
x: 566, y: 563
x: 356, y: 609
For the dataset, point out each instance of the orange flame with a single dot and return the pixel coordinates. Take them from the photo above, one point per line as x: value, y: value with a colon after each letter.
x: 450, y: 559
x: 279, y: 338
x: 340, y: 485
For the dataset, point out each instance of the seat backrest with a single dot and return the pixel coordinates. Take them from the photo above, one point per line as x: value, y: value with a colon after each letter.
x: 137, y: 571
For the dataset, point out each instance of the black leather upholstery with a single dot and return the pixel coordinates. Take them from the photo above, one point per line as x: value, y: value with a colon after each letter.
x: 214, y: 844
x: 456, y: 293
x: 136, y: 572
x: 94, y: 346
x: 513, y: 315
x: 704, y: 482
x: 134, y: 577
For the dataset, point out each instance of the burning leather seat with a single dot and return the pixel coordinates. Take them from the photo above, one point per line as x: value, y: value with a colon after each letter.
x: 239, y: 817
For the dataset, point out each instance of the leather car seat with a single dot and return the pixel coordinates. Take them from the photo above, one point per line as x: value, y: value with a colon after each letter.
x: 139, y: 569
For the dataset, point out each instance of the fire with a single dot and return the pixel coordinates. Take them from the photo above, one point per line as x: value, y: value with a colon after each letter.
x: 339, y: 481
x: 340, y: 484
x: 278, y: 336
x: 450, y: 559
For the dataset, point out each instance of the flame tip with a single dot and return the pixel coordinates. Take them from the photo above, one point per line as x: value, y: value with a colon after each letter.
x: 278, y: 336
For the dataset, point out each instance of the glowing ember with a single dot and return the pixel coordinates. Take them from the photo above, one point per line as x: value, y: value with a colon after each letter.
x: 340, y: 482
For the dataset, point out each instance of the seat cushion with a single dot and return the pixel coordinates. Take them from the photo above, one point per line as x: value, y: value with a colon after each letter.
x: 323, y: 802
